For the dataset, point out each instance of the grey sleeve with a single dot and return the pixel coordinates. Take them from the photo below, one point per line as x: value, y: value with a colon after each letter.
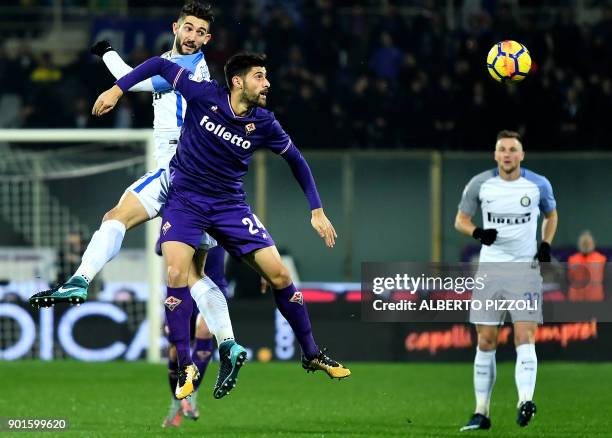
x: 470, y: 199
x: 547, y: 198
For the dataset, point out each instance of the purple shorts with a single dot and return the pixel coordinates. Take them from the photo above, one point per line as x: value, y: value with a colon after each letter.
x: 230, y: 222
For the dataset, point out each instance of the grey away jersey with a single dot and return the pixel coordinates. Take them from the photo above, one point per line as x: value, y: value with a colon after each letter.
x: 512, y: 208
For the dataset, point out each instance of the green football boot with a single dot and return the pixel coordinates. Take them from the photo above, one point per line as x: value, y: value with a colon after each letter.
x: 74, y: 291
x: 231, y: 357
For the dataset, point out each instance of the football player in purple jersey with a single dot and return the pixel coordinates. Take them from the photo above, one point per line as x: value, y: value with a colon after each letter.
x: 223, y: 127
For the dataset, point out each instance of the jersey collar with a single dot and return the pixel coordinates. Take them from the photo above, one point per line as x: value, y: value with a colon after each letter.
x: 496, y: 171
x: 229, y: 105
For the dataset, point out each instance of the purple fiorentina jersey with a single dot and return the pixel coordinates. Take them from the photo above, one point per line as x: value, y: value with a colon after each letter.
x: 216, y: 146
x: 211, y: 160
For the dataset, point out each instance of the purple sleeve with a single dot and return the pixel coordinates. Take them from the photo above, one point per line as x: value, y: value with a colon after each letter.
x: 278, y: 141
x: 302, y: 173
x: 178, y: 77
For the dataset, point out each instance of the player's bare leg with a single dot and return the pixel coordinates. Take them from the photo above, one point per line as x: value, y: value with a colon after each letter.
x: 267, y: 262
x: 102, y: 248
x: 174, y: 415
x: 484, y: 376
x: 526, y: 370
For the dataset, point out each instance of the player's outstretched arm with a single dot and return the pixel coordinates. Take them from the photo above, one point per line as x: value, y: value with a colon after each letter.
x: 178, y: 77
x: 107, y: 101
x: 117, y: 66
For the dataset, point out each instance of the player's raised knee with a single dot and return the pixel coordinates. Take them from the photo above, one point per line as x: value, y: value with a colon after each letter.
x: 176, y: 277
x: 280, y: 278
x: 112, y: 214
x: 121, y: 215
x: 129, y: 211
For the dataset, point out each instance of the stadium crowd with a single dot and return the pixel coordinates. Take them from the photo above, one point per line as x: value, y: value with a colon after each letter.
x: 381, y: 76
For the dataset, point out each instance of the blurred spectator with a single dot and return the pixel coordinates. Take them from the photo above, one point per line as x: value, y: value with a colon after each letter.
x: 254, y: 41
x: 281, y: 33
x: 324, y: 53
x: 444, y: 112
x: 124, y: 295
x: 46, y: 70
x: 586, y: 271
x: 358, y: 32
x: 82, y: 113
x: 123, y: 114
x: 382, y: 120
x: 219, y: 51
x: 69, y: 257
x: 11, y: 297
x: 45, y: 107
x: 386, y: 60
x: 359, y: 107
x: 20, y: 67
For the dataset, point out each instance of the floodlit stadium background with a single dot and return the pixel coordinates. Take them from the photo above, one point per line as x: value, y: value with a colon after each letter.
x: 392, y: 106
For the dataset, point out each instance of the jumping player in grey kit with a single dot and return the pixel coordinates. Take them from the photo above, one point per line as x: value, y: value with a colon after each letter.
x: 223, y: 128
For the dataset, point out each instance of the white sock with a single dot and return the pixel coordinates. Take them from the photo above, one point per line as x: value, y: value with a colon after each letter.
x: 485, y: 371
x: 526, y: 371
x: 213, y: 307
x: 103, y: 247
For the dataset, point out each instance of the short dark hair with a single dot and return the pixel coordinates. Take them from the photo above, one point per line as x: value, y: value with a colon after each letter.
x: 198, y: 10
x: 506, y: 133
x: 241, y: 63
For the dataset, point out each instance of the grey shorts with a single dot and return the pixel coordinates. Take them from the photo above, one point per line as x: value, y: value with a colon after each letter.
x: 514, y: 288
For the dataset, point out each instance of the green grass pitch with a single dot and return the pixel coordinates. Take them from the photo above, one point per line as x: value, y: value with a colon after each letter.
x: 279, y: 399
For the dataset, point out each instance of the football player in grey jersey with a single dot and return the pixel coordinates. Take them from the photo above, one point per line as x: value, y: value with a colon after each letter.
x: 511, y: 199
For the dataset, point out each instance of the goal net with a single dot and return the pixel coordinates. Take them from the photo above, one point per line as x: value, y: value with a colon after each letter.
x: 55, y: 185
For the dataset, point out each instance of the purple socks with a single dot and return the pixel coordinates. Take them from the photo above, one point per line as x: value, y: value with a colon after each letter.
x: 178, y: 306
x: 291, y: 305
x: 202, y: 353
